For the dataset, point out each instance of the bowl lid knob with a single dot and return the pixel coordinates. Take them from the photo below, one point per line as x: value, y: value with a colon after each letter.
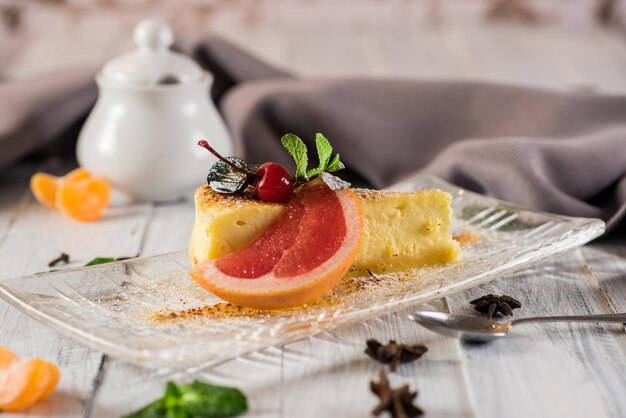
x: 152, y: 63
x: 153, y: 34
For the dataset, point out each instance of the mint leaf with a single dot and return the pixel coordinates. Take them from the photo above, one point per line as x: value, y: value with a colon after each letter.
x: 104, y: 260
x: 172, y: 393
x: 155, y: 409
x: 324, y: 151
x: 196, y: 399
x: 94, y: 262
x: 206, y: 400
x: 335, y: 165
x: 177, y: 411
x: 100, y: 260
x: 296, y: 148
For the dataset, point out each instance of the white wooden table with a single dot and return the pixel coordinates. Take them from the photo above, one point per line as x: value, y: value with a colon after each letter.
x: 541, y: 371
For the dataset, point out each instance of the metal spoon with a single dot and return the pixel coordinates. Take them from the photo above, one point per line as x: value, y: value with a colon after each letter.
x: 477, y: 329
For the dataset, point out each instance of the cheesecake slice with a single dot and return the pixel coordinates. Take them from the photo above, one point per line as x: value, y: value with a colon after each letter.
x: 401, y: 230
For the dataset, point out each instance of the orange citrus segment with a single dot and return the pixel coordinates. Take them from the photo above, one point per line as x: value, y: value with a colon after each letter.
x: 55, y: 375
x: 297, y: 259
x: 25, y: 382
x: 44, y: 187
x: 7, y: 358
x: 77, y: 194
x: 83, y: 200
x: 76, y: 174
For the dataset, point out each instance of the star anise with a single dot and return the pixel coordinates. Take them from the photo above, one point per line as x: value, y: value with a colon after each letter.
x: 394, y: 353
x: 491, y: 304
x: 398, y: 402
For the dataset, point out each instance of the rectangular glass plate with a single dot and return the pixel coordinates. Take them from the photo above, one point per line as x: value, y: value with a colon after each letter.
x: 149, y: 311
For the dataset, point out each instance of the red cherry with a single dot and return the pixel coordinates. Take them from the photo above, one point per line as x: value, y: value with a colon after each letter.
x: 275, y: 184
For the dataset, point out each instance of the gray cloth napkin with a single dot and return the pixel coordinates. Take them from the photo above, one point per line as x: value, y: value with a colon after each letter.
x: 560, y: 152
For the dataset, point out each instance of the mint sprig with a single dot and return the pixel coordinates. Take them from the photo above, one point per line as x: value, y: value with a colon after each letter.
x: 296, y: 148
x: 324, y: 152
x: 196, y: 399
x: 298, y: 151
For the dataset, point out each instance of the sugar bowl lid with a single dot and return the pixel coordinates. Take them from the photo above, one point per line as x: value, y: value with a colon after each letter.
x: 152, y: 63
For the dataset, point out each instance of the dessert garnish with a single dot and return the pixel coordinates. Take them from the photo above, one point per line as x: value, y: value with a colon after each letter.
x: 271, y: 181
x: 63, y: 258
x: 394, y: 353
x: 229, y: 175
x: 273, y: 256
x: 297, y: 259
x: 196, y: 399
x: 298, y: 151
x: 492, y: 304
x: 78, y: 194
x: 24, y: 382
x: 398, y: 402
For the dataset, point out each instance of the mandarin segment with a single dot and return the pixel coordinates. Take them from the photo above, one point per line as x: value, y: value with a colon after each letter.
x: 44, y: 187
x: 77, y: 194
x: 7, y: 357
x: 25, y: 382
x: 55, y: 376
x: 84, y: 200
x: 77, y: 174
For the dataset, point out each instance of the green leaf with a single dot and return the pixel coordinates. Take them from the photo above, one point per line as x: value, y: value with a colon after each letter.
x: 177, y: 411
x: 205, y: 400
x: 296, y: 148
x: 172, y: 393
x: 155, y: 409
x: 100, y: 260
x: 324, y: 151
x: 335, y: 165
x: 193, y: 400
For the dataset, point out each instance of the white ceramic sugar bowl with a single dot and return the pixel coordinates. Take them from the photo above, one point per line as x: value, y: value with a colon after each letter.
x: 152, y: 109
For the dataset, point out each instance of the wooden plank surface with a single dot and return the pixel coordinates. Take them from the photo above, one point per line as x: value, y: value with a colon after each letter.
x: 545, y: 370
x: 18, y: 333
x: 553, y: 370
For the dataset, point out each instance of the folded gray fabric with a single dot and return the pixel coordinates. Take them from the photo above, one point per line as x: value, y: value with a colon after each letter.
x: 559, y: 152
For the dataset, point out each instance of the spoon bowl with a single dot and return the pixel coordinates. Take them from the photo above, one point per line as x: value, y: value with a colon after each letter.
x: 467, y: 328
x: 478, y: 329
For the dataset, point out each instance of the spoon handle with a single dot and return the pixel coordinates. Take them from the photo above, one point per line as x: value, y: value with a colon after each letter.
x: 620, y: 317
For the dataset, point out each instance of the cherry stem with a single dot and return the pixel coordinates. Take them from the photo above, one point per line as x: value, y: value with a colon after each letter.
x: 204, y: 144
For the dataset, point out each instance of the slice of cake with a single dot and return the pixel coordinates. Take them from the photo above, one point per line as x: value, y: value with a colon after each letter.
x: 400, y: 231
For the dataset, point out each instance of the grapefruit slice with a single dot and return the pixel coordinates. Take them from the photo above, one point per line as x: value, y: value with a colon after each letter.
x: 297, y: 259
